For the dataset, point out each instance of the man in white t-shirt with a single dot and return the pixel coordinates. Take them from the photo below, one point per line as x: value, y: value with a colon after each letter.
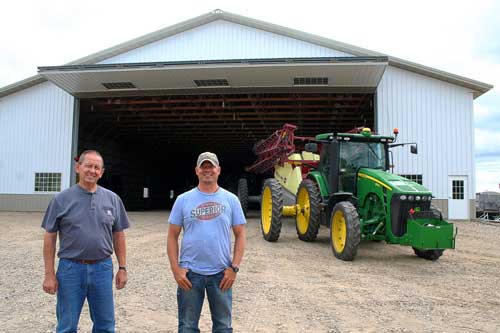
x: 206, y: 214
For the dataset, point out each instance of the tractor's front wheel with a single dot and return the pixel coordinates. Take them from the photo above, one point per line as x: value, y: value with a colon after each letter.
x: 242, y: 193
x: 436, y: 212
x: 429, y: 254
x: 271, y: 208
x: 345, y: 231
x: 308, y: 214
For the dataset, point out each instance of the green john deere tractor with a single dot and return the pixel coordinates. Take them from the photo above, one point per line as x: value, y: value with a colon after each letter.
x: 351, y: 191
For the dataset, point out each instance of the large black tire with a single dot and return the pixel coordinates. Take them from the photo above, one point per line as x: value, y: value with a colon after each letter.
x: 429, y: 254
x: 242, y: 193
x: 345, y: 231
x: 271, y: 209
x: 308, y: 213
x: 436, y: 212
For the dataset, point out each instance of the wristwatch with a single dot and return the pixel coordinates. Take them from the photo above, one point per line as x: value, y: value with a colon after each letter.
x: 123, y: 268
x: 235, y: 268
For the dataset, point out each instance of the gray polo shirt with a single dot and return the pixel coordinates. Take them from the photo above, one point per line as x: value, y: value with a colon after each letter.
x: 85, y: 222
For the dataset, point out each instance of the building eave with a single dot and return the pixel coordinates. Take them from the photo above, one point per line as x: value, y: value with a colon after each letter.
x: 21, y: 85
x: 479, y: 88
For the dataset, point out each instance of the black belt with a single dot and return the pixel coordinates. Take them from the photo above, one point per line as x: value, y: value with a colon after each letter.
x: 87, y: 261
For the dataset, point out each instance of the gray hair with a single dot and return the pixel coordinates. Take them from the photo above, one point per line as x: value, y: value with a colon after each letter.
x: 90, y: 151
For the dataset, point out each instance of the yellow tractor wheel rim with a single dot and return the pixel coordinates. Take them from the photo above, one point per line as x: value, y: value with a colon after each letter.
x: 303, y: 211
x: 266, y: 210
x: 339, y: 231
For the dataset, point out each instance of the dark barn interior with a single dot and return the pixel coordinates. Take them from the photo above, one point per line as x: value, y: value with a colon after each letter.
x: 152, y: 141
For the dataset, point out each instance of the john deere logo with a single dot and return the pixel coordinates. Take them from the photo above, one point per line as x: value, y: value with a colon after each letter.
x: 208, y: 211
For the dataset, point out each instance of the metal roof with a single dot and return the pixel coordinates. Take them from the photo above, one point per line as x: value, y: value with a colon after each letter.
x: 478, y: 87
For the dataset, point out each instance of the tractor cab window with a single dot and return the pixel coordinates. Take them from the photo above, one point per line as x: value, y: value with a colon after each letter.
x: 362, y: 155
x: 355, y: 155
x: 325, y: 162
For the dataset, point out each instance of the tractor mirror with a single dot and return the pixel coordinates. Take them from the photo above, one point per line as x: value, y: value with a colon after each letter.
x: 413, y: 149
x: 311, y: 147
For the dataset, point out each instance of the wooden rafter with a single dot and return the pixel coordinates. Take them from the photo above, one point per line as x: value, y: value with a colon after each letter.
x: 235, y: 121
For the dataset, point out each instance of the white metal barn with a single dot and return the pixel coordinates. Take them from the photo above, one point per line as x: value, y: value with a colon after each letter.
x: 221, y: 82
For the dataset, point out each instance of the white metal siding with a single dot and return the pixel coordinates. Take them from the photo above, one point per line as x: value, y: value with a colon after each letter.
x: 220, y: 40
x: 35, y: 136
x: 439, y: 117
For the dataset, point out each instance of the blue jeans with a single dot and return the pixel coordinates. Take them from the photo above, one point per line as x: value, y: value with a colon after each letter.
x: 79, y: 281
x: 190, y: 303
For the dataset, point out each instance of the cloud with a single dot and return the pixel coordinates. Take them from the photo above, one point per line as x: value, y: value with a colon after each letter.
x: 481, y: 112
x: 487, y: 142
x: 488, y: 176
x: 487, y: 157
x: 487, y: 181
x: 488, y: 43
x: 487, y: 112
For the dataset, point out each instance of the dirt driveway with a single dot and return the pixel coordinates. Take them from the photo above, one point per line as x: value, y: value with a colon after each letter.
x: 288, y: 286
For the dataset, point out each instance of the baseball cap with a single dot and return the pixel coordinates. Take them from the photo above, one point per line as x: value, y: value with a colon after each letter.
x: 207, y: 156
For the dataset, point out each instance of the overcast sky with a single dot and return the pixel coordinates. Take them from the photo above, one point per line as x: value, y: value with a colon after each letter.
x: 455, y: 36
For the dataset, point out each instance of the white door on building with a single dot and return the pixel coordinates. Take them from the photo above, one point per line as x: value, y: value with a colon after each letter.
x: 458, y: 204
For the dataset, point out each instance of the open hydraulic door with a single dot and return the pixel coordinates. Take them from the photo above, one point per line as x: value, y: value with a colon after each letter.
x: 350, y: 74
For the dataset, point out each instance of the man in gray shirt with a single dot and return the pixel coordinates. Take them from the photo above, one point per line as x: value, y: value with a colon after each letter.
x: 90, y: 221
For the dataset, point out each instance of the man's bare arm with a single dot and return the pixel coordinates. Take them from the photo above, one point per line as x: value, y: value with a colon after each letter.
x: 239, y: 248
x: 50, y: 283
x: 173, y: 256
x: 120, y: 246
x: 239, y: 243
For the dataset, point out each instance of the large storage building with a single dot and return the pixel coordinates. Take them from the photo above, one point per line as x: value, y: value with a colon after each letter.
x: 221, y: 82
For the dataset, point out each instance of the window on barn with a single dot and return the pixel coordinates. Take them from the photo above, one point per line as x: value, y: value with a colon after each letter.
x: 47, y: 182
x: 415, y: 178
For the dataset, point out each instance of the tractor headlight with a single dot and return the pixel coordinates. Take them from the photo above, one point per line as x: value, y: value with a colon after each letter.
x: 403, y: 197
x: 417, y: 198
x: 411, y: 197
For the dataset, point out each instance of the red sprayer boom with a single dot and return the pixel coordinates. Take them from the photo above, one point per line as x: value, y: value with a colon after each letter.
x: 275, y: 149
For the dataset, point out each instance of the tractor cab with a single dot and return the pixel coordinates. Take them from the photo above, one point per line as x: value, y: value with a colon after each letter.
x: 344, y: 154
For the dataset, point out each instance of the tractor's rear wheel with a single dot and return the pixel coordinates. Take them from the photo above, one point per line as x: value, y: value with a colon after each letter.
x: 242, y: 193
x: 271, y: 208
x: 308, y: 215
x: 345, y: 231
x: 429, y: 254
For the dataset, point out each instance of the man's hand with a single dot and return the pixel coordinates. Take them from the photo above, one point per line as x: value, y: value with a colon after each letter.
x: 180, y: 276
x: 121, y: 279
x: 228, y: 279
x: 50, y: 284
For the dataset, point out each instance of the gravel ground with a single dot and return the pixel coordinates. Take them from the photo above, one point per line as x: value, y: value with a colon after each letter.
x: 288, y: 286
